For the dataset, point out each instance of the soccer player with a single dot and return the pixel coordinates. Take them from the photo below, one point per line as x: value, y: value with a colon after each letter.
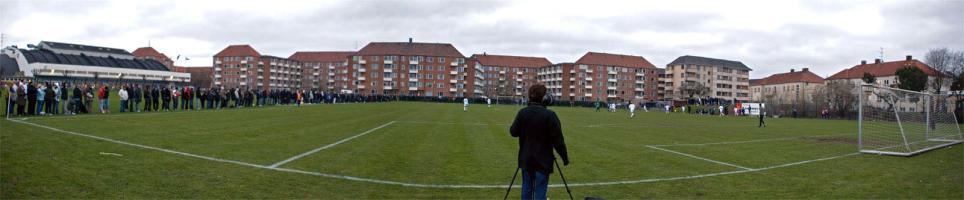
x: 721, y: 110
x: 632, y: 110
x: 465, y: 104
x: 762, y: 115
x: 488, y: 102
x: 597, y: 106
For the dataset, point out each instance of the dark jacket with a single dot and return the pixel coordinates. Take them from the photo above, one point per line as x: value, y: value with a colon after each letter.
x: 539, y: 131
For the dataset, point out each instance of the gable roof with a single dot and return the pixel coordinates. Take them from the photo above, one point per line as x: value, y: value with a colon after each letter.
x: 697, y: 60
x: 511, y: 61
x: 803, y: 76
x: 410, y: 49
x: 882, y: 69
x: 238, y: 50
x: 149, y: 51
x: 631, y: 61
x: 80, y: 47
x: 321, y: 56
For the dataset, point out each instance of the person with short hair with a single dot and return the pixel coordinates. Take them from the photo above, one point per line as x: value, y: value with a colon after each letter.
x: 539, y: 132
x: 465, y: 104
x: 122, y: 94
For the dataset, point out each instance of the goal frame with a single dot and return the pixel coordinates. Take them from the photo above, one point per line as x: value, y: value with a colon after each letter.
x: 906, y: 144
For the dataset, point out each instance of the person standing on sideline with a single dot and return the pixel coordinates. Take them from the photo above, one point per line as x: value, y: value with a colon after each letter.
x: 102, y: 98
x: 122, y: 94
x: 465, y: 104
x: 597, y: 106
x: 539, y: 132
x: 63, y: 98
x: 50, y: 96
x: 632, y: 110
x: 721, y: 110
x: 41, y: 96
x: 762, y: 115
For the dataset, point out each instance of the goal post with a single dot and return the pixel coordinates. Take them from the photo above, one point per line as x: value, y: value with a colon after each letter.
x: 901, y: 122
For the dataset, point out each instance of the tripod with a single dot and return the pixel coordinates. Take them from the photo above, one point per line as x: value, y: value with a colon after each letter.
x: 560, y: 175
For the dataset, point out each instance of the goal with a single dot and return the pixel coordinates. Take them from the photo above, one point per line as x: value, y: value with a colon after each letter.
x: 904, y: 123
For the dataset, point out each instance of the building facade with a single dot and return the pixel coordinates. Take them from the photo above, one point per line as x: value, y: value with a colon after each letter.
x: 701, y: 77
x: 507, y: 76
x: 602, y: 77
x: 410, y: 69
x: 200, y: 75
x: 794, y: 87
x: 885, y: 73
x: 320, y: 69
x: 241, y: 66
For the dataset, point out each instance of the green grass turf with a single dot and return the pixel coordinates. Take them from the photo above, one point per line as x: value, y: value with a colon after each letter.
x: 439, y: 144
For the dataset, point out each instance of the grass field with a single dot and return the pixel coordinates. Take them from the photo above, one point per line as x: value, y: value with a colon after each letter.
x: 428, y: 150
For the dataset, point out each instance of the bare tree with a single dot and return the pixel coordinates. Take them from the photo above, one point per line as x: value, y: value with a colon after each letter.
x: 943, y: 60
x: 691, y: 89
x: 840, y: 97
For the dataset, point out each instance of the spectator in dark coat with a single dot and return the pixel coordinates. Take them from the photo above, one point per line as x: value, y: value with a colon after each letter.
x: 539, y: 132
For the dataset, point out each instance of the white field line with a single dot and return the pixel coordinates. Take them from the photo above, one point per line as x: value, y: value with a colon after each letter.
x: 701, y: 158
x: 275, y: 165
x: 420, y: 185
x: 750, y: 141
x: 453, y: 123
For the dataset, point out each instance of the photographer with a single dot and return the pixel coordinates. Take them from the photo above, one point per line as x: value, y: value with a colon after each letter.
x: 539, y: 132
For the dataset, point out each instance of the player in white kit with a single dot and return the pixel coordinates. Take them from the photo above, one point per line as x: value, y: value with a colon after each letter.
x: 632, y: 110
x: 488, y: 102
x: 465, y: 104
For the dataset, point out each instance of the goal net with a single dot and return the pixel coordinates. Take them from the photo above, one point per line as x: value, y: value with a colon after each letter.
x: 902, y: 122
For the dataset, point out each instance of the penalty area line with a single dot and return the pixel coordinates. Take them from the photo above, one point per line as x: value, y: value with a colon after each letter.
x: 299, y: 156
x: 701, y: 158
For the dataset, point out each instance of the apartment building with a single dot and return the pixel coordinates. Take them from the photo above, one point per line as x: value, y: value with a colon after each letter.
x: 885, y: 72
x: 411, y: 68
x: 794, y: 87
x: 701, y: 77
x: 507, y: 76
x: 241, y: 66
x: 602, y: 77
x: 320, y: 69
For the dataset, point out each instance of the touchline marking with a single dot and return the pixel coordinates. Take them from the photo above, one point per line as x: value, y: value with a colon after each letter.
x: 701, y: 158
x: 420, y: 185
x: 328, y: 146
x: 750, y: 141
x: 452, y: 123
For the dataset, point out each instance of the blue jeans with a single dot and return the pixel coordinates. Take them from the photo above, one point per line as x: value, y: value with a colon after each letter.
x: 123, y: 105
x: 40, y: 106
x: 534, y: 184
x: 103, y: 105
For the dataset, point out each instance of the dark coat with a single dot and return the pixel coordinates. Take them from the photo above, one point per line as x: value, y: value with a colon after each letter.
x: 539, y: 132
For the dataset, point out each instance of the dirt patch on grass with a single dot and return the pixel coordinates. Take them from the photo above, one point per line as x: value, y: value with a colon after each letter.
x: 830, y: 140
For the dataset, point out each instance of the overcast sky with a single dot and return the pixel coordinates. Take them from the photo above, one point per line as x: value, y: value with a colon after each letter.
x: 768, y: 36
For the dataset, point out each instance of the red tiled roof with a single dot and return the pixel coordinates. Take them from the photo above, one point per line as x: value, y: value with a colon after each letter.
x: 511, y: 61
x: 804, y: 76
x: 882, y: 69
x: 410, y: 49
x: 321, y: 56
x: 755, y: 82
x: 631, y: 61
x: 238, y: 50
x: 149, y: 51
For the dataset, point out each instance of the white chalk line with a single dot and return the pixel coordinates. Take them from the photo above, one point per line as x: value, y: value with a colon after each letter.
x: 701, y: 158
x: 750, y: 141
x: 405, y: 184
x: 453, y: 123
x: 275, y: 165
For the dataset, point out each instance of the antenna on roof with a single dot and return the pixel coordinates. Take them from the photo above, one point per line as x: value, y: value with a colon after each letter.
x: 881, y: 54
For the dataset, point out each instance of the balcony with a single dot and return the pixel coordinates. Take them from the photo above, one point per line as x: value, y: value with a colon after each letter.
x: 244, y: 69
x: 588, y: 86
x: 611, y: 80
x: 453, y: 72
x: 362, y: 70
x: 572, y: 78
x: 331, y: 80
x: 217, y: 76
x: 217, y: 82
x: 260, y: 77
x: 217, y: 69
x: 611, y: 95
x: 412, y: 88
x: 518, y: 80
x: 244, y: 62
x: 387, y: 70
x: 501, y: 72
x: 217, y: 62
x: 640, y: 82
x: 587, y: 94
x: 389, y: 61
x: 589, y: 71
x: 412, y: 62
x: 387, y: 87
x: 611, y: 72
x: 610, y: 87
x: 588, y: 78
x: 452, y: 89
x: 413, y: 71
x: 361, y: 86
x: 453, y: 81
x: 362, y: 62
x: 638, y: 89
x: 331, y: 73
x: 386, y: 79
x: 260, y: 70
x: 453, y: 64
x: 412, y: 80
x: 361, y: 78
x: 518, y: 73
